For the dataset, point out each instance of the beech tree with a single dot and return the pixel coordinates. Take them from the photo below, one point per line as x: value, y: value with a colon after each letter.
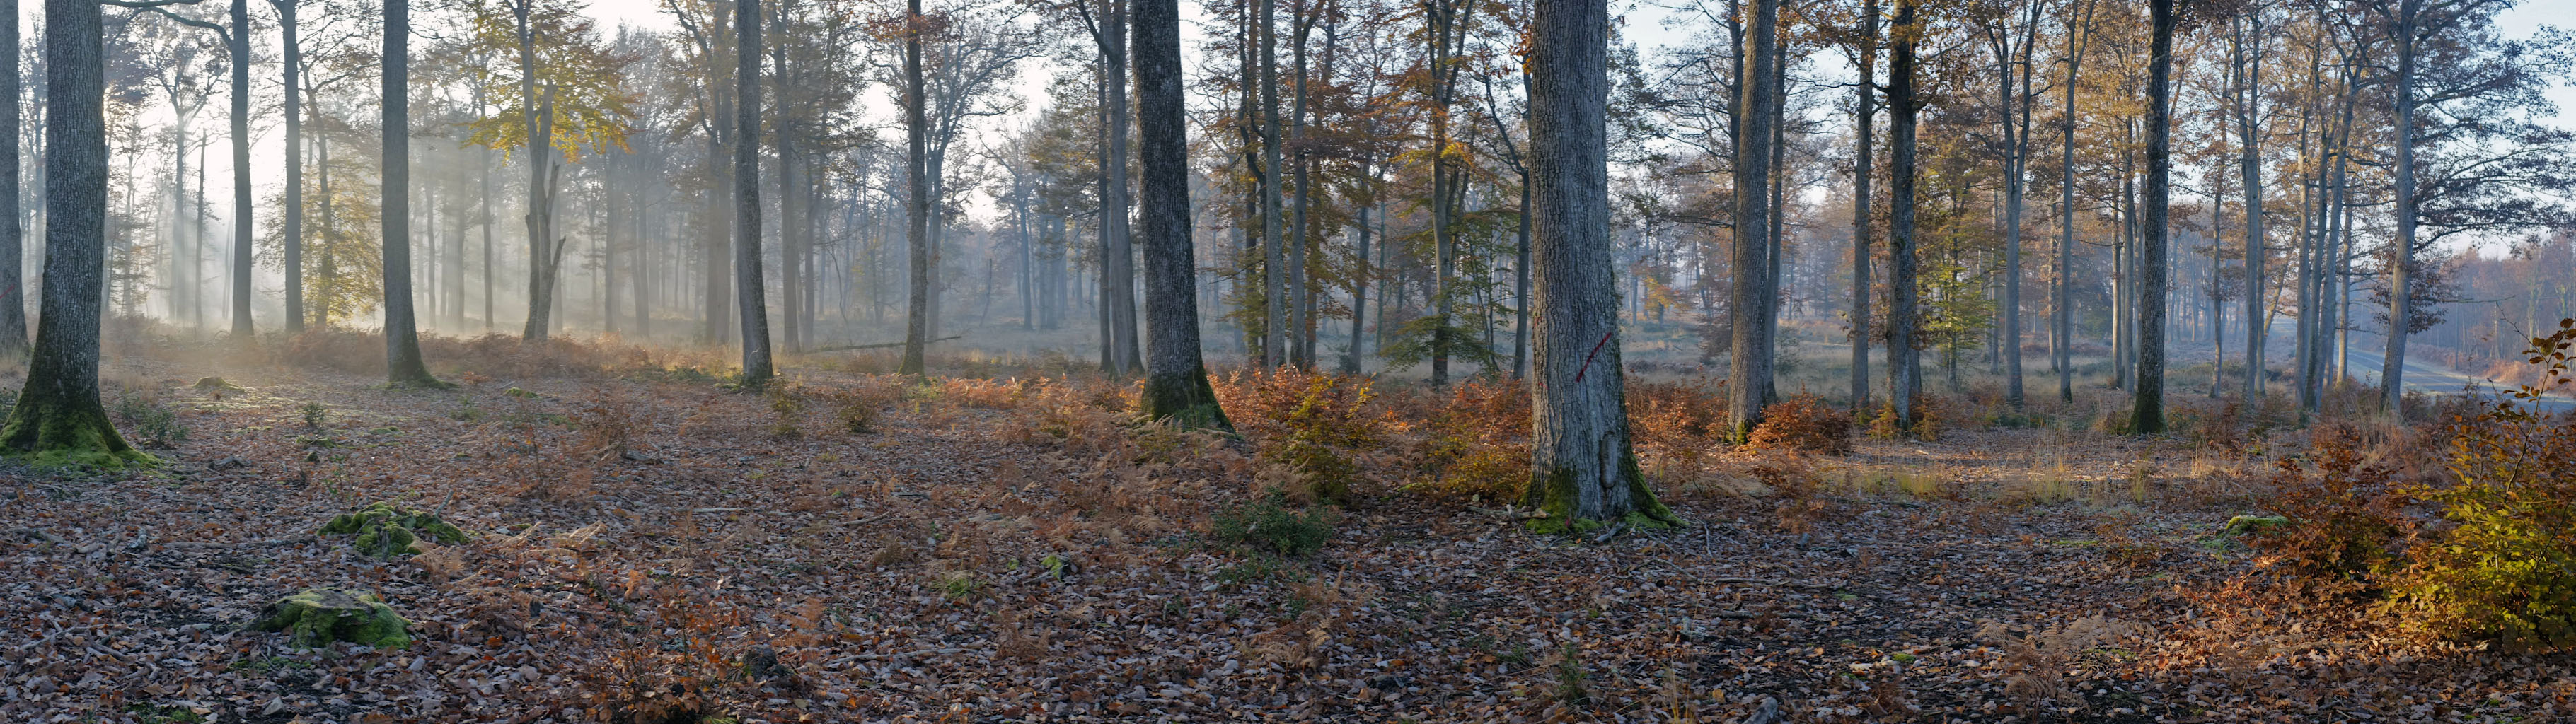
x: 13, y: 294
x: 1755, y: 218
x: 403, y: 364
x: 756, y: 369
x: 2147, y: 411
x: 59, y: 419
x: 1176, y: 382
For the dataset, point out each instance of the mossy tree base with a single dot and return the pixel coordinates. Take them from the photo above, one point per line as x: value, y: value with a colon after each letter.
x: 1186, y: 400
x: 388, y: 532
x: 319, y: 616
x: 67, y: 436
x: 1558, y: 494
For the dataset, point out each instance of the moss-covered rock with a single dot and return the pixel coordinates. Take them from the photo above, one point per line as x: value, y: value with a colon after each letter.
x: 2243, y: 524
x: 386, y: 531
x: 218, y: 384
x: 319, y: 616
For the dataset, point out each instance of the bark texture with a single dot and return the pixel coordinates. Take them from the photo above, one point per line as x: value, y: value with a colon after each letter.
x: 238, y: 41
x: 750, y: 292
x: 58, y: 419
x: 1904, y: 360
x: 1749, y: 362
x: 1583, y: 471
x: 2147, y: 416
x: 13, y: 233
x: 916, y: 334
x: 1176, y: 382
x: 403, y: 365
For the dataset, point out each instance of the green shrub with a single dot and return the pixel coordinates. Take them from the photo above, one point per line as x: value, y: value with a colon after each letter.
x: 2507, y: 569
x: 1268, y: 524
x: 1320, y: 432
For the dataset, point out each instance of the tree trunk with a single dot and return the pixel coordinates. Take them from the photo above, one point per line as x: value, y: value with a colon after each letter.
x: 1176, y: 382
x: 539, y: 152
x: 1360, y: 276
x: 2147, y: 416
x: 1864, y: 114
x: 1750, y: 356
x: 1274, y: 300
x: 2401, y: 254
x: 1520, y: 278
x: 1299, y: 244
x: 2016, y: 127
x: 1583, y: 471
x: 240, y: 47
x: 917, y: 211
x: 1904, y: 360
x: 403, y: 364
x: 2079, y: 33
x: 13, y: 232
x: 749, y: 290
x: 1117, y: 257
x: 58, y: 420
x: 2249, y: 59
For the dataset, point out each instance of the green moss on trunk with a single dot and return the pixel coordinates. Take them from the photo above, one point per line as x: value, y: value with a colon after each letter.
x: 1553, y: 493
x: 1186, y: 400
x: 61, y: 434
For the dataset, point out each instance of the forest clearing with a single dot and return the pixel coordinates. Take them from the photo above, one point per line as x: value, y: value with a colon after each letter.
x: 642, y: 546
x: 1726, y: 361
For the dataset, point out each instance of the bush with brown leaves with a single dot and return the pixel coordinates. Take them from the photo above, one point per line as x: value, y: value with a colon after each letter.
x: 1803, y: 423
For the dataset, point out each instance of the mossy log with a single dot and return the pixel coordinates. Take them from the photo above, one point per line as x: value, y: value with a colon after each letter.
x: 319, y: 616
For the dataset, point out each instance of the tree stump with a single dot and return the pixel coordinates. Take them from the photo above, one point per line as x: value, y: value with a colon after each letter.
x: 319, y: 616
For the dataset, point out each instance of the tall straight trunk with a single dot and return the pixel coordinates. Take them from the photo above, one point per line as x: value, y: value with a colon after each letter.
x: 1360, y: 276
x: 58, y: 417
x: 2016, y: 107
x: 608, y: 225
x: 917, y: 208
x: 455, y: 312
x: 403, y: 365
x: 1750, y: 365
x: 2124, y: 269
x: 13, y: 233
x: 2401, y: 254
x: 1520, y: 280
x: 1118, y: 275
x: 327, y: 284
x: 542, y: 248
x: 1299, y: 352
x: 2147, y: 416
x: 791, y: 209
x: 1583, y: 471
x: 1274, y: 298
x: 184, y: 270
x: 2079, y: 34
x: 1904, y: 361
x: 1176, y: 381
x: 1448, y: 22
x: 749, y: 292
x: 1777, y: 250
x: 1864, y: 113
x: 2249, y: 163
x: 292, y: 230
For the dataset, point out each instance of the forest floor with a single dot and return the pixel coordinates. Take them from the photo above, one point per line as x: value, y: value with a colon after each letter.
x: 664, y: 551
